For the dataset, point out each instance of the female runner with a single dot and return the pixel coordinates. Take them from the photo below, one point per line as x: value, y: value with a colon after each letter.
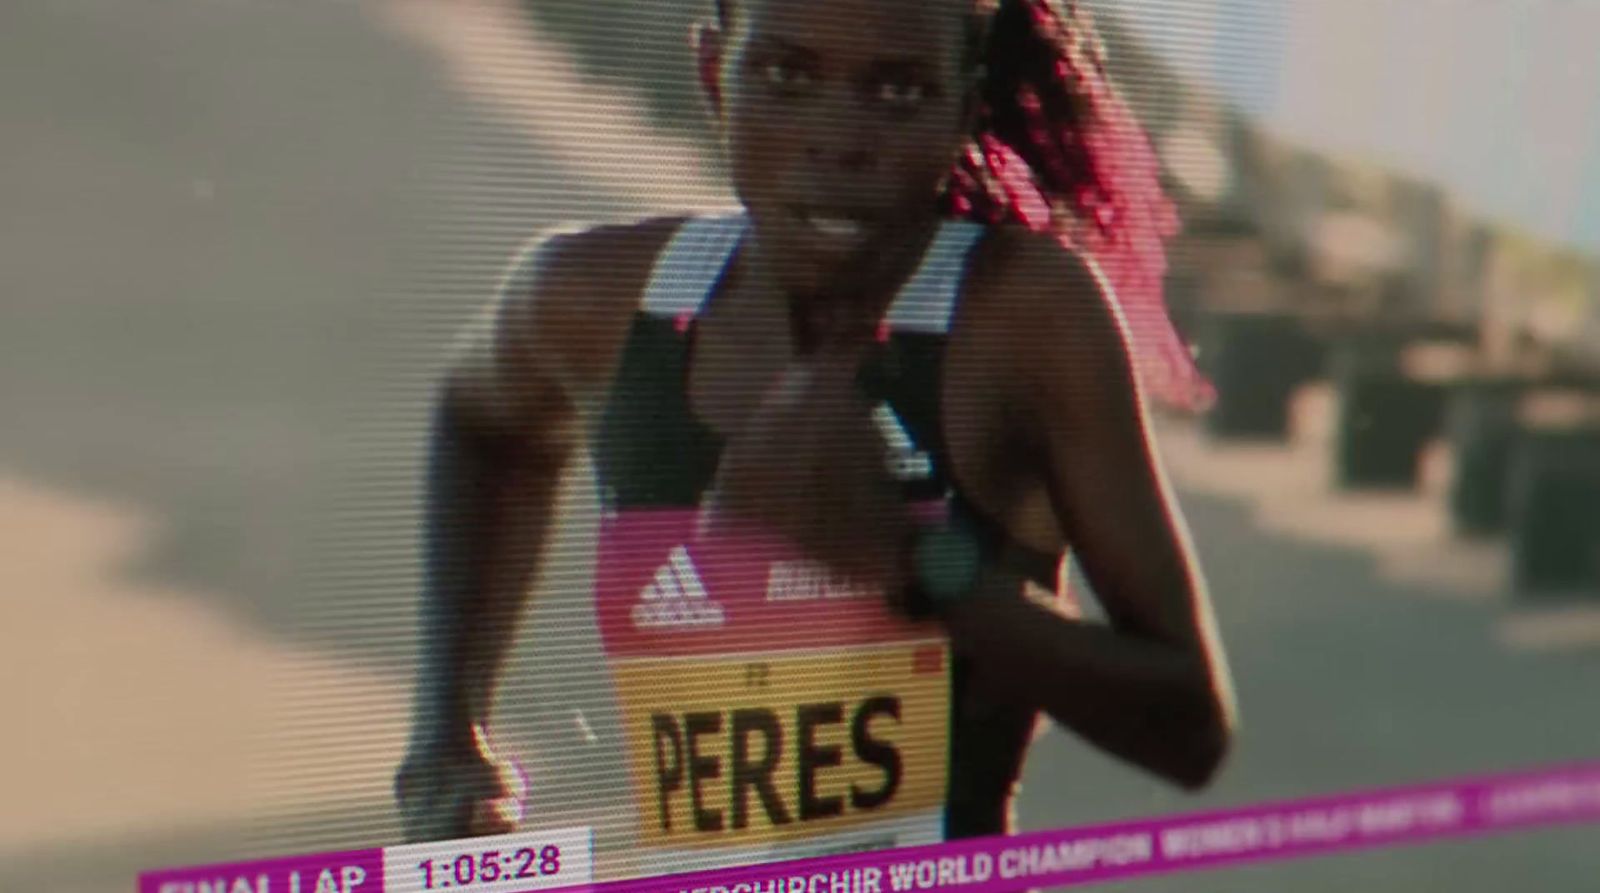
x: 841, y: 434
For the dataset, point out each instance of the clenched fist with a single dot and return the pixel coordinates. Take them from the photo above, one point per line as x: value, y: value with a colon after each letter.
x: 465, y: 790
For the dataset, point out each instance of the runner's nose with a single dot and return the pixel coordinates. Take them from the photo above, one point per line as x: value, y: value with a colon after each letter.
x: 841, y: 138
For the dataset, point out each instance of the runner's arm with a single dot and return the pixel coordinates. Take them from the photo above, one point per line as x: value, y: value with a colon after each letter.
x: 503, y: 430
x: 1152, y: 688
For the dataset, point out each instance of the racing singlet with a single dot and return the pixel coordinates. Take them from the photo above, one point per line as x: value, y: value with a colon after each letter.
x: 768, y: 711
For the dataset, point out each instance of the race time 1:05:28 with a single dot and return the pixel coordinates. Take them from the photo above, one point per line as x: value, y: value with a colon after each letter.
x: 469, y: 870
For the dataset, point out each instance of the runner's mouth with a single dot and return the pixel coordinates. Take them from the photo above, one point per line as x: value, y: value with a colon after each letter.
x: 839, y: 227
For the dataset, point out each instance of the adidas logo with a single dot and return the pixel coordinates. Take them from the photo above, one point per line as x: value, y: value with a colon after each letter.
x: 906, y: 462
x: 676, y: 598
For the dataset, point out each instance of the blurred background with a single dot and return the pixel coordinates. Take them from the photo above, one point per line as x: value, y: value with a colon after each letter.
x: 236, y: 237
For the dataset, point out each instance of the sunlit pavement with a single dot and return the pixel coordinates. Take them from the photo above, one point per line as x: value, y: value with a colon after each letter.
x: 188, y: 256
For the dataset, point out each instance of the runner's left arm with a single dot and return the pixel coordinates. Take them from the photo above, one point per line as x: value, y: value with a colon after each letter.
x: 1152, y: 686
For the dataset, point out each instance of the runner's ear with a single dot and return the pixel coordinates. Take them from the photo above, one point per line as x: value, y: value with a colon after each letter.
x: 972, y: 99
x: 707, y: 38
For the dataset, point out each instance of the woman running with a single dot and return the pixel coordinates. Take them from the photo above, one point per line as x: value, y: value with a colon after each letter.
x: 844, y: 437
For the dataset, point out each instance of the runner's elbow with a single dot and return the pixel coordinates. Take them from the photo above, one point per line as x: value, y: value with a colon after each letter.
x: 1206, y: 745
x: 473, y: 414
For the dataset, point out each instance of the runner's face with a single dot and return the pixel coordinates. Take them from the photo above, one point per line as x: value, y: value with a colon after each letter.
x: 841, y: 119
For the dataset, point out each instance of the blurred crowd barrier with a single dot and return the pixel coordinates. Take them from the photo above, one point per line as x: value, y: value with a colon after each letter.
x: 1431, y: 325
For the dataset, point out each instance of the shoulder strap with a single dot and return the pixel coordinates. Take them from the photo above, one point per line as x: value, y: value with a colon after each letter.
x: 690, y: 265
x: 927, y: 301
x: 698, y: 253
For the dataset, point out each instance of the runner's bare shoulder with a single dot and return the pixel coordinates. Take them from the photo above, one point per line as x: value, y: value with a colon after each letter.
x: 549, y: 341
x: 1033, y: 306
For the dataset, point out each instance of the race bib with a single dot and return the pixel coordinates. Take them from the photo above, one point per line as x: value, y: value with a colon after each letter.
x: 770, y: 710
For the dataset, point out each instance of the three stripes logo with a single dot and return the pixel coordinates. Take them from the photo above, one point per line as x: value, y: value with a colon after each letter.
x: 676, y: 598
x: 906, y: 462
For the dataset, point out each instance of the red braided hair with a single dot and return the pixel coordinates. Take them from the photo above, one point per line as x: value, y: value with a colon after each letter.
x: 1057, y: 149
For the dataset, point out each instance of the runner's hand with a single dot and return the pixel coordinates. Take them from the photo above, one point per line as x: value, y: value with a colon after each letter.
x: 446, y: 792
x: 809, y: 466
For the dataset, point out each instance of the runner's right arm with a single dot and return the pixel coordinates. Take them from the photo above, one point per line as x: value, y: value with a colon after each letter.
x: 506, y: 423
x: 502, y: 434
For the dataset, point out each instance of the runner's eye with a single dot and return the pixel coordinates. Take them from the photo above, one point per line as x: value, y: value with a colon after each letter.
x: 786, y: 76
x: 899, y: 93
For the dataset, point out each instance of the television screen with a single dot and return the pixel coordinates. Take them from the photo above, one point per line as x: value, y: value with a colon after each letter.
x: 764, y: 446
